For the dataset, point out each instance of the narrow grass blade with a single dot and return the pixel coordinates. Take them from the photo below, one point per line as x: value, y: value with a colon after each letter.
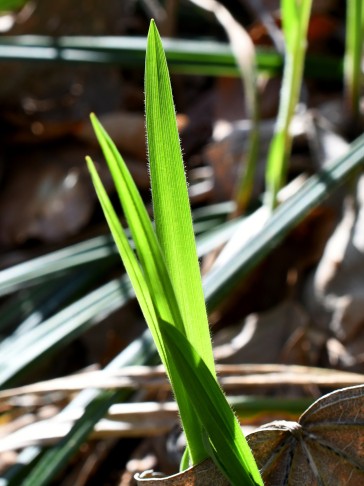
x: 147, y: 246
x: 152, y: 285
x: 44, y: 267
x: 218, y: 284
x: 130, y: 261
x: 295, y: 17
x: 33, y: 306
x: 13, y: 311
x: 244, y: 52
x: 171, y: 207
x: 57, y: 457
x: 218, y: 420
x: 9, y: 5
x: 59, y: 330
x: 151, y: 281
x: 353, y: 55
x: 141, y: 351
x: 196, y: 57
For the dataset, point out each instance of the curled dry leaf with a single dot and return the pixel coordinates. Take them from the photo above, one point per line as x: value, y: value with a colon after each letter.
x: 334, y: 294
x: 47, y: 198
x: 54, y: 206
x: 261, y: 336
x: 325, y: 447
x: 48, y: 195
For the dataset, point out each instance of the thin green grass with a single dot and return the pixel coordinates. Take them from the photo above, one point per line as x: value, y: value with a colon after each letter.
x: 295, y: 17
x: 38, y: 467
x: 199, y: 57
x: 52, y: 265
x: 220, y: 282
x: 245, y: 55
x: 10, y: 5
x: 31, y: 347
x: 353, y: 56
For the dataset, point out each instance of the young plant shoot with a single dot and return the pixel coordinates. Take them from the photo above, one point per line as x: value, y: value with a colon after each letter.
x: 165, y: 274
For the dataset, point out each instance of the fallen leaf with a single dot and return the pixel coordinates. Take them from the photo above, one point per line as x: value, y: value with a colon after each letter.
x: 325, y: 446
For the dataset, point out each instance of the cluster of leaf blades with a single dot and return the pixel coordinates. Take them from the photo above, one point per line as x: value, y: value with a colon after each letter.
x: 216, y: 285
x: 166, y: 277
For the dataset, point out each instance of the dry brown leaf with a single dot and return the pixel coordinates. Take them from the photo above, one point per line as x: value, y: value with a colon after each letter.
x: 47, y: 198
x: 325, y: 447
x: 142, y: 419
x: 334, y: 294
x: 261, y: 336
x: 154, y: 378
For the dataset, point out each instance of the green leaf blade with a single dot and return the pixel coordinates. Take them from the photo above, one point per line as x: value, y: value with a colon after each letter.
x: 228, y: 446
x: 353, y: 56
x: 146, y: 243
x: 295, y: 16
x: 10, y: 5
x: 129, y: 259
x: 150, y: 278
x: 172, y: 208
x: 149, y: 305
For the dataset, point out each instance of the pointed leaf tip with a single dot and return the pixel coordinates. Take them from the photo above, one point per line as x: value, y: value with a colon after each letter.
x: 153, y: 30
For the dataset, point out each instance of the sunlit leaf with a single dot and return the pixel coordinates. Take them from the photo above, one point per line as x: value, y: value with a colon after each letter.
x: 165, y: 271
x: 170, y: 199
x: 228, y: 446
x: 149, y: 277
x: 130, y: 261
